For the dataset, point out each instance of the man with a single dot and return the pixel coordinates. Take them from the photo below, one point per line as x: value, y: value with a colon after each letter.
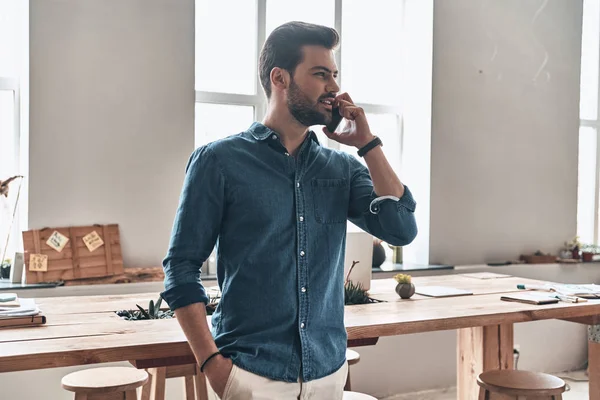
x: 276, y: 203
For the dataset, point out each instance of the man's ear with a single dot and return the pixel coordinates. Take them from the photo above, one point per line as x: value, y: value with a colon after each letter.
x: 280, y: 78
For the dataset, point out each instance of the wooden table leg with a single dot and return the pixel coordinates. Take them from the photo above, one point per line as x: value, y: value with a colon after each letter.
x: 201, y: 385
x: 159, y: 380
x: 482, y: 349
x: 594, y: 361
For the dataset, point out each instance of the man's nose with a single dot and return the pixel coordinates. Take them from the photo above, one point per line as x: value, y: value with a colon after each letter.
x: 333, y: 87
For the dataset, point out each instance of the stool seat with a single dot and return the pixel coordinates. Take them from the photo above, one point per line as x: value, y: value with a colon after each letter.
x: 357, y: 396
x: 521, y: 383
x: 352, y: 356
x: 104, y: 380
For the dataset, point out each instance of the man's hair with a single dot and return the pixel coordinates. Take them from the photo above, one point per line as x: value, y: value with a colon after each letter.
x: 283, y: 47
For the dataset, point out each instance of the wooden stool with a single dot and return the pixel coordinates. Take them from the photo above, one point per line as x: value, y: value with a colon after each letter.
x: 353, y: 358
x: 357, y: 396
x: 520, y: 384
x: 107, y: 383
x: 194, y: 382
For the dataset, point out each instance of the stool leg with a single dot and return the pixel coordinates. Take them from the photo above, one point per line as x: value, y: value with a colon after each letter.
x: 131, y: 395
x: 80, y: 396
x: 484, y: 394
x: 147, y: 388
x: 348, y: 385
x: 201, y: 389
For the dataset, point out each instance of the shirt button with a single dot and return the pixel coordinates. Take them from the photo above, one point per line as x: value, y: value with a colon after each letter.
x: 274, y: 137
x: 301, y: 218
x: 302, y: 254
x: 287, y: 154
x: 302, y: 325
x: 303, y: 290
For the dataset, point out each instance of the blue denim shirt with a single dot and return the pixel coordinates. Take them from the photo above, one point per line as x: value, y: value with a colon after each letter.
x: 279, y: 223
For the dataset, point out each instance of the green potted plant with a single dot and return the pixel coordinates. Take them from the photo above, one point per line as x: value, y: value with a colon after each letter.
x: 154, y: 312
x: 5, y: 268
x: 588, y: 251
x: 405, y: 288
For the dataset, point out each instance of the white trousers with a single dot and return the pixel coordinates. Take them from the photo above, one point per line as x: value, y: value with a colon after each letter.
x: 244, y: 385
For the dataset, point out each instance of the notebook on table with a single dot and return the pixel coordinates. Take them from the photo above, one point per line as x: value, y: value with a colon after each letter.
x: 530, y: 298
x: 441, y: 291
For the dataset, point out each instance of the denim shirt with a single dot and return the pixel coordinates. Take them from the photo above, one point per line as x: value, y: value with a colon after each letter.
x: 279, y: 223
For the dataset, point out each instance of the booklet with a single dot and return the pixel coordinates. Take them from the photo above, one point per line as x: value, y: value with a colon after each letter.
x: 530, y: 297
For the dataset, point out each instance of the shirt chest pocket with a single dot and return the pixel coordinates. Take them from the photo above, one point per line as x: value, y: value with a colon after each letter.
x: 330, y: 199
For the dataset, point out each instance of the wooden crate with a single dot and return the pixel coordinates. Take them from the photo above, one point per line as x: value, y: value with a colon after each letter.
x: 75, y: 261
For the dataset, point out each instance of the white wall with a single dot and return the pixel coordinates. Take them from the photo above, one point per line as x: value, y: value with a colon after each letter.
x: 504, y: 138
x: 112, y: 117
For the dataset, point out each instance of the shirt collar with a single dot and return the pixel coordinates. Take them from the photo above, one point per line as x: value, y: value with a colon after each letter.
x: 261, y: 132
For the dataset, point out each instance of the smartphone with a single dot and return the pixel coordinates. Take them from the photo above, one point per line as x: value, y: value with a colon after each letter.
x: 336, y: 118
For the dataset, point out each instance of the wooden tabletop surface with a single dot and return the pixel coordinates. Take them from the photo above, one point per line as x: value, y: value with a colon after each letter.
x: 85, y: 329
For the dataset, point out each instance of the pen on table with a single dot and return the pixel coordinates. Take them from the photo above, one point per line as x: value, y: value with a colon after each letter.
x: 533, y: 287
x: 570, y: 299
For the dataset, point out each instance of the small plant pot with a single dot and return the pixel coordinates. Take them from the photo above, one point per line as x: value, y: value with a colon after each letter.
x: 587, y: 257
x: 5, y: 271
x: 405, y: 290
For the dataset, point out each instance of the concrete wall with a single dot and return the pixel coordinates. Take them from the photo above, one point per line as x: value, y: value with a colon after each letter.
x: 112, y: 117
x: 505, y: 125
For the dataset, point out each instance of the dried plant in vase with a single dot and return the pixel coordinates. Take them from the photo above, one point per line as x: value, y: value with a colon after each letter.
x: 405, y: 288
x: 4, y: 192
x: 355, y: 293
x: 4, y: 185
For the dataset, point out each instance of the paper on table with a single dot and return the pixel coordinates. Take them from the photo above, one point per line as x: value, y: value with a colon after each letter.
x: 590, y: 291
x: 28, y: 307
x: 441, y: 291
x: 486, y: 275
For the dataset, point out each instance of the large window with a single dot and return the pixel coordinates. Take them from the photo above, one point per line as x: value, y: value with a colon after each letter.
x: 384, y: 57
x: 589, y: 146
x: 13, y: 53
x: 228, y: 92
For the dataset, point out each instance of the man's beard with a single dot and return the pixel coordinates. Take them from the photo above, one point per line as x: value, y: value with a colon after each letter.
x: 303, y: 109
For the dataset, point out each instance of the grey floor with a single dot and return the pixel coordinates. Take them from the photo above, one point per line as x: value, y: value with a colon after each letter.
x: 577, y: 390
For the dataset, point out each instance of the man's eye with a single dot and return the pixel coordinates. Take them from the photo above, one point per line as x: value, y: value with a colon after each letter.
x: 320, y: 74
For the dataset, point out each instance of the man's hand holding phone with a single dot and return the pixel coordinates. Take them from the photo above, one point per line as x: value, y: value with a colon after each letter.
x: 355, y: 132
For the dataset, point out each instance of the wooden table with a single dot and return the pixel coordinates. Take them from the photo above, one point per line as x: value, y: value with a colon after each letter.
x: 85, y: 330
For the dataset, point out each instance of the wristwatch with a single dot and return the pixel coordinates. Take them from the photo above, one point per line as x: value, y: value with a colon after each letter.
x: 369, y: 146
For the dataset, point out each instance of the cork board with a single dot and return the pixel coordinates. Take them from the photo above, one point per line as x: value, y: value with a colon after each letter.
x: 75, y: 260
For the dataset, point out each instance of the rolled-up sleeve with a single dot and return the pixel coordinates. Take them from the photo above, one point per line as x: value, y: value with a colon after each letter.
x: 389, y: 218
x: 195, y: 229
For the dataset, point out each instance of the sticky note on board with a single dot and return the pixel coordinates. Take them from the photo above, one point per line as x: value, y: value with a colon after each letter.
x: 57, y: 241
x: 38, y: 262
x: 92, y: 241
